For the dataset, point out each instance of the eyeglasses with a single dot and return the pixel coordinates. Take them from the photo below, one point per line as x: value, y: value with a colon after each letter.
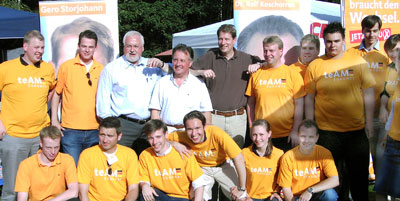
x: 109, y: 171
x: 88, y: 77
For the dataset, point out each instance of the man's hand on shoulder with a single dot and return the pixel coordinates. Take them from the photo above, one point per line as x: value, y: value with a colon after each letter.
x: 154, y: 62
x: 253, y: 68
x: 208, y: 73
x: 182, y: 149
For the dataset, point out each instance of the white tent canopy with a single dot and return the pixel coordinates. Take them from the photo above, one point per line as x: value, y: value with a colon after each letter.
x: 206, y: 36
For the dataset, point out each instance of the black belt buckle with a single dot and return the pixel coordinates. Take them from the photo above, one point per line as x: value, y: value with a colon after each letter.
x: 139, y: 121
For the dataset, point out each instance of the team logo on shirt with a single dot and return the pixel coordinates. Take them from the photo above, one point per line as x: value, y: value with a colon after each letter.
x: 170, y: 173
x: 308, y: 172
x: 340, y: 75
x: 392, y: 82
x: 32, y: 82
x: 273, y: 83
x: 375, y: 66
x: 115, y: 176
x: 261, y: 171
x: 206, y: 154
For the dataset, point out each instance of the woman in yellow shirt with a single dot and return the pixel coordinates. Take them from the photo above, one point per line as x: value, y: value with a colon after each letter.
x: 262, y: 164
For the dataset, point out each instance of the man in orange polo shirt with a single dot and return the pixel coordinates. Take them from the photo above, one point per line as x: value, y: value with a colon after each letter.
x: 47, y: 174
x: 77, y: 83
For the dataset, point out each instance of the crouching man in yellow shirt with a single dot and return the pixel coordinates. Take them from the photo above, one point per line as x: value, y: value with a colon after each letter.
x: 47, y: 175
x: 308, y: 172
x: 108, y: 171
x: 164, y: 175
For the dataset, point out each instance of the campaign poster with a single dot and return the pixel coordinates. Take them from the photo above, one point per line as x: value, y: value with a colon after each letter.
x: 356, y: 10
x: 62, y: 21
x: 257, y: 19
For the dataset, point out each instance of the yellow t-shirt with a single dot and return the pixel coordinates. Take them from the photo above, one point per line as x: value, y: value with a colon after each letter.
x: 217, y: 147
x: 93, y: 170
x: 337, y: 85
x: 377, y: 63
x: 275, y: 90
x: 299, y: 172
x: 169, y: 173
x: 300, y: 67
x: 391, y: 81
x: 78, y: 97
x: 24, y: 97
x: 43, y: 182
x: 261, y: 172
x: 394, y: 131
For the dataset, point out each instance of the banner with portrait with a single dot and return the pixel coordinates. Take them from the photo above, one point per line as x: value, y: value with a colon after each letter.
x: 257, y: 19
x: 62, y: 21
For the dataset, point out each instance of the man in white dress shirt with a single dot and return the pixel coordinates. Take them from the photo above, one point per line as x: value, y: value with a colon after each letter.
x: 179, y: 93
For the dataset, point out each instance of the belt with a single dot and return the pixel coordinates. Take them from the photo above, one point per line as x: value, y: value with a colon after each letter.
x: 239, y: 111
x: 133, y: 120
x: 177, y: 126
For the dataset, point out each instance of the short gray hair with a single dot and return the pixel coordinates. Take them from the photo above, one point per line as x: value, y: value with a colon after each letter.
x: 133, y: 33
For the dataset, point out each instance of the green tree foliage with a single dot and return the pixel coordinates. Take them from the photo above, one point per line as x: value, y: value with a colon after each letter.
x: 158, y: 20
x: 15, y: 4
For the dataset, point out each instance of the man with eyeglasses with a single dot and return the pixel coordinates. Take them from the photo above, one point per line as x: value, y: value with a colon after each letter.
x: 125, y: 88
x: 77, y: 84
x: 108, y: 171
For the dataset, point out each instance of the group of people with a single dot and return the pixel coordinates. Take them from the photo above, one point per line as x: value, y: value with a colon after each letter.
x: 188, y: 123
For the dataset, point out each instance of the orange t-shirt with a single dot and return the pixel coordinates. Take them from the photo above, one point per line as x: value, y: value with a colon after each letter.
x: 391, y: 81
x: 377, y: 63
x: 261, y: 172
x: 299, y: 172
x: 394, y: 131
x: 78, y: 97
x: 169, y: 173
x: 24, y: 97
x: 93, y: 170
x: 275, y: 91
x: 217, y: 147
x: 337, y: 85
x: 300, y: 67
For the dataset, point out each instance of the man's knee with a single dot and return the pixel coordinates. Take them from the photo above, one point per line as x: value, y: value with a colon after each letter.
x: 329, y: 195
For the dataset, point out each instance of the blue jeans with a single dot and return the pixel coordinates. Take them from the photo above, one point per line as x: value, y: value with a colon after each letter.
x: 163, y: 197
x: 266, y: 199
x: 326, y: 195
x: 388, y: 179
x: 75, y: 141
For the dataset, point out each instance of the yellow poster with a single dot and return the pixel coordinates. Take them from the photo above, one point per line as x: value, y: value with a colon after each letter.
x: 356, y: 10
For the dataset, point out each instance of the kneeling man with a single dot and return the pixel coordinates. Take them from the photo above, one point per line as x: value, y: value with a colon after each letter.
x: 163, y: 173
x: 308, y: 171
x: 108, y: 171
x: 213, y: 149
x: 47, y: 174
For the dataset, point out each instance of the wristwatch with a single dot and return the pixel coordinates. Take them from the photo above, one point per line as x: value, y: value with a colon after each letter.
x: 241, y: 189
x: 310, y: 190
